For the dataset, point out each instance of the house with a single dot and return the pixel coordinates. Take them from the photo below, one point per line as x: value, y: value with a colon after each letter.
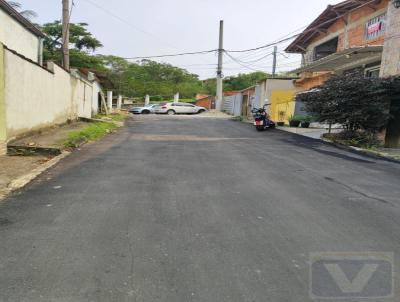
x: 391, y: 67
x: 346, y: 37
x: 34, y: 96
x: 19, y: 34
x: 280, y: 94
x: 351, y: 36
x: 206, y: 101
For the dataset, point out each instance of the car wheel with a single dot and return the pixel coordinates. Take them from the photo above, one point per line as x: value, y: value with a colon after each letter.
x: 170, y: 112
x: 145, y: 112
x: 201, y: 111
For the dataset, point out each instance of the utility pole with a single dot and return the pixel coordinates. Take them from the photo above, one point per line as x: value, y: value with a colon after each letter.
x: 65, y: 33
x: 274, y: 61
x: 220, y: 84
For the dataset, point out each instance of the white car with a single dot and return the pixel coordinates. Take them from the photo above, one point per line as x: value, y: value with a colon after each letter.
x: 178, y: 108
x: 143, y: 110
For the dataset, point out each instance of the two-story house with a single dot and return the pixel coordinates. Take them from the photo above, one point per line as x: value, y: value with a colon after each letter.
x: 20, y: 35
x: 345, y: 37
x: 351, y: 36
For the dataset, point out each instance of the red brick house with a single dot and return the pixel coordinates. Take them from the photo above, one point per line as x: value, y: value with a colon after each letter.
x: 353, y: 35
x: 345, y: 37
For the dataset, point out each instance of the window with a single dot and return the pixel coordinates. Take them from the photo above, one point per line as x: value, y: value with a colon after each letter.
x: 373, y: 72
x: 326, y: 49
x: 375, y: 27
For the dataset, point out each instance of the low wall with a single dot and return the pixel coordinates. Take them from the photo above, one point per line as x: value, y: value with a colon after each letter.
x: 34, y: 97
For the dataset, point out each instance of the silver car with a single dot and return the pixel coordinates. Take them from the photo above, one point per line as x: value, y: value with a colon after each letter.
x: 178, y: 108
x: 143, y: 110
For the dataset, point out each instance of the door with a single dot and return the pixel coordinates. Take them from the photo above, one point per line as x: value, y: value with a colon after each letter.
x: 245, y: 105
x: 178, y: 108
x: 190, y: 108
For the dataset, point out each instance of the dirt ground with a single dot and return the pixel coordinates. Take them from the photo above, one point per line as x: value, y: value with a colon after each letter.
x: 50, y: 138
x: 13, y: 167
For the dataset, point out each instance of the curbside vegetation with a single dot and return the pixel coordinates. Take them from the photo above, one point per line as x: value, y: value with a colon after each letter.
x: 92, y: 132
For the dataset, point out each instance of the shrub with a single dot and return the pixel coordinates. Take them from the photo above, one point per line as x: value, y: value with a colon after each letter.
x: 295, y: 118
x: 356, y: 102
x: 361, y: 139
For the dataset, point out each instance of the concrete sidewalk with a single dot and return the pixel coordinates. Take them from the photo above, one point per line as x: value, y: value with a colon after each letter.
x: 17, y: 171
x: 316, y: 133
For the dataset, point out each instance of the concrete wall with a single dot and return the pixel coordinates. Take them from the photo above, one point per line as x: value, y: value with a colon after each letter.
x: 3, y: 122
x: 82, y: 96
x: 34, y: 97
x: 391, y: 67
x: 391, y: 50
x: 16, y: 37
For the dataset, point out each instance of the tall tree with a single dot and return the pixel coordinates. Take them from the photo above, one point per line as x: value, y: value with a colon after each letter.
x: 82, y: 44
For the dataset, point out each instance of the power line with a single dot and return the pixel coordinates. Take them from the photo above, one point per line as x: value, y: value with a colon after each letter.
x: 240, y: 63
x: 174, y: 55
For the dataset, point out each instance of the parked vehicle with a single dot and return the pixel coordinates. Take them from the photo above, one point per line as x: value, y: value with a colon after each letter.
x: 262, y: 119
x: 143, y: 110
x: 178, y: 108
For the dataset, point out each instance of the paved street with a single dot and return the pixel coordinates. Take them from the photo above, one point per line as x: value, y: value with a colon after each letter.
x: 184, y: 209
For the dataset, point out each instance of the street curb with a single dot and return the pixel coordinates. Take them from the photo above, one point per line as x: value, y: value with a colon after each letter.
x: 23, y: 180
x: 369, y: 153
x: 355, y: 150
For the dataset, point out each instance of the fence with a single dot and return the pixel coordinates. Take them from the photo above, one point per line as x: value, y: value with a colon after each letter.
x: 33, y: 97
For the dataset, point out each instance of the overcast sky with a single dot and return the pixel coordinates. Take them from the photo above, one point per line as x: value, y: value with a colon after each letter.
x: 142, y: 28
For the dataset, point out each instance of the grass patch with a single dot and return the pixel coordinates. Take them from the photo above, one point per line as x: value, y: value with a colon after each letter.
x: 116, y: 117
x: 92, y: 132
x: 237, y: 119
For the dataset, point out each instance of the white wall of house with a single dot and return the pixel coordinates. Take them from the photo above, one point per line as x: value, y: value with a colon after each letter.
x: 18, y: 38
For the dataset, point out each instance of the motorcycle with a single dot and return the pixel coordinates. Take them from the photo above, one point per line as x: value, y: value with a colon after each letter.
x: 262, y: 120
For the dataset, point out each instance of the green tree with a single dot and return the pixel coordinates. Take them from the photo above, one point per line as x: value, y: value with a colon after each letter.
x: 239, y: 82
x: 82, y: 44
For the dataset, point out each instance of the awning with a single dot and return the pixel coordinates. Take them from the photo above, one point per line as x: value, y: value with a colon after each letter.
x: 346, y: 59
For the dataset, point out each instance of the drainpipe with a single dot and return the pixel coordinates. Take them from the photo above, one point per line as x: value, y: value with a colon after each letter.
x: 40, y: 51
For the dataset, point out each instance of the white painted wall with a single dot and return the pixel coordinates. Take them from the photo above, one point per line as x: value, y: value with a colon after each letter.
x: 36, y: 98
x: 18, y: 38
x: 82, y: 96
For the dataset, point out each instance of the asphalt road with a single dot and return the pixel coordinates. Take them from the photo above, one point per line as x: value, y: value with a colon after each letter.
x: 193, y: 209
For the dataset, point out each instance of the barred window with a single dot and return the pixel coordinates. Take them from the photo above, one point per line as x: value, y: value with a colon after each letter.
x: 375, y: 27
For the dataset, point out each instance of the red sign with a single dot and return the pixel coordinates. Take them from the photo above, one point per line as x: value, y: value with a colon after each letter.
x: 374, y: 27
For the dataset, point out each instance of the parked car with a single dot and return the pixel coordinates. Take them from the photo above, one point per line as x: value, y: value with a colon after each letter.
x: 143, y: 110
x: 178, y: 108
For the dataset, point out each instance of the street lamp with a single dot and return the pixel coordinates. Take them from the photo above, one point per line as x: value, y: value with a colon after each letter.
x: 396, y: 3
